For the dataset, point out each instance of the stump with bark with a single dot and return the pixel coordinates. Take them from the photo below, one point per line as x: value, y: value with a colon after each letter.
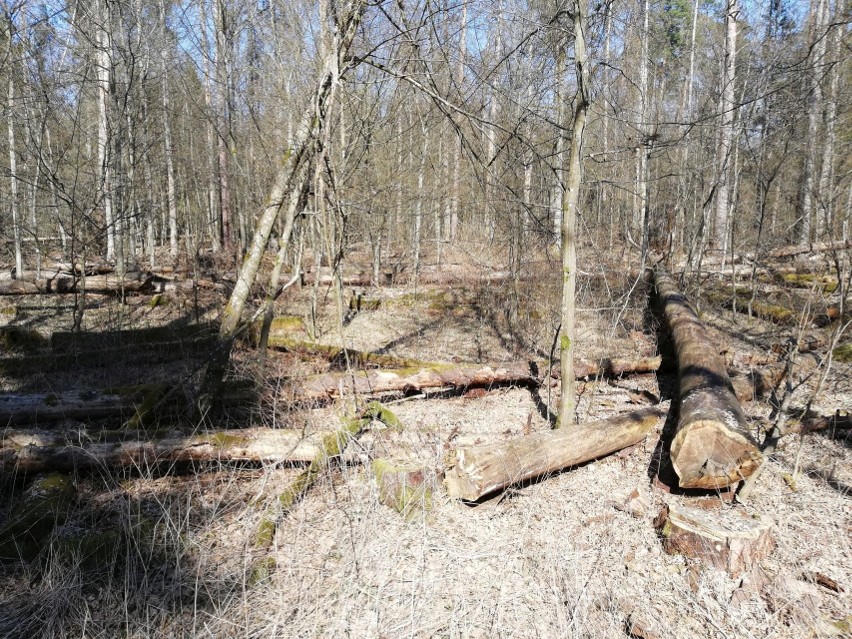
x: 727, y: 539
x: 712, y: 447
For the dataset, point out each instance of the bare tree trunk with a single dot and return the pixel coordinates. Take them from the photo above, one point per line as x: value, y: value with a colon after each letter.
x: 570, y: 207
x: 221, y: 105
x: 557, y: 190
x: 294, y: 171
x: 171, y: 197
x: 819, y: 11
x: 825, y: 219
x: 13, y: 171
x: 723, y: 194
x: 456, y: 180
x: 104, y: 68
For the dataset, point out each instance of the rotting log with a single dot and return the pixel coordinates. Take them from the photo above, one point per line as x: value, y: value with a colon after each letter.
x: 39, y: 450
x: 712, y: 447
x: 474, y: 471
x: 331, y: 445
x: 726, y: 538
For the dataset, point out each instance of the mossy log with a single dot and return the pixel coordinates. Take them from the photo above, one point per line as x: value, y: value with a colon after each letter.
x: 475, y: 471
x: 331, y: 445
x: 39, y: 450
x: 407, y: 488
x: 339, y: 356
x: 775, y: 313
x: 29, y: 523
x: 726, y: 538
x: 712, y: 447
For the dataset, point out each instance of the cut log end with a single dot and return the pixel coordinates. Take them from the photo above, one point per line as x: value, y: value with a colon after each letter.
x: 708, y: 455
x: 727, y: 539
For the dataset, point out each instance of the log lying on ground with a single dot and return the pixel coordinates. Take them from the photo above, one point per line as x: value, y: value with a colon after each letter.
x: 142, y: 283
x: 818, y: 247
x: 472, y: 472
x: 40, y: 450
x: 137, y: 403
x: 338, y: 355
x: 450, y: 376
x: 425, y: 377
x: 712, y: 447
x: 727, y: 539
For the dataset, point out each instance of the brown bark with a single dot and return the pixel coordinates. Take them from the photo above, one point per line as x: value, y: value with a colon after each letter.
x: 40, y: 450
x: 472, y: 472
x: 726, y: 539
x: 712, y: 447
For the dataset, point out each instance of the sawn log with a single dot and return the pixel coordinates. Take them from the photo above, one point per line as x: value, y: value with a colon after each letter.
x: 712, y: 447
x: 475, y: 471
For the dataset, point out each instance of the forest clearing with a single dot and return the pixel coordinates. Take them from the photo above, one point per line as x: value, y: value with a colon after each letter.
x: 520, y: 318
x: 145, y: 541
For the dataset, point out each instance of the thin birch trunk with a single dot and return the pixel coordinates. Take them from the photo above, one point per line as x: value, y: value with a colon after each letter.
x: 571, y: 204
x: 728, y: 107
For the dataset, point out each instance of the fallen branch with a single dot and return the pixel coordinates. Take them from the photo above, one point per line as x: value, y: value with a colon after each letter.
x: 712, y: 447
x: 475, y: 471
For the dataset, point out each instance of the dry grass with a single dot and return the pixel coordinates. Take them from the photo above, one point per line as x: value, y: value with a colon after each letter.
x: 553, y: 558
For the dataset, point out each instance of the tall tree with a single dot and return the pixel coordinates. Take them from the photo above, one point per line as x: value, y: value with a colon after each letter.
x: 570, y: 207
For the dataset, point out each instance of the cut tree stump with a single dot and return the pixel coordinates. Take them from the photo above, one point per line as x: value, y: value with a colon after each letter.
x: 726, y: 538
x: 475, y: 471
x: 712, y: 447
x: 39, y: 450
x: 407, y: 488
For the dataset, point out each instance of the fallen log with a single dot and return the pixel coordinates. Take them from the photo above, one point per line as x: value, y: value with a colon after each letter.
x: 139, y: 282
x: 137, y: 403
x: 41, y: 450
x: 338, y: 355
x: 818, y: 247
x: 475, y: 471
x: 432, y: 378
x: 712, y: 447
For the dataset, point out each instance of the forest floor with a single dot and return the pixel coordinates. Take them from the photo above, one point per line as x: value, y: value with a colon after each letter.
x: 560, y: 556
